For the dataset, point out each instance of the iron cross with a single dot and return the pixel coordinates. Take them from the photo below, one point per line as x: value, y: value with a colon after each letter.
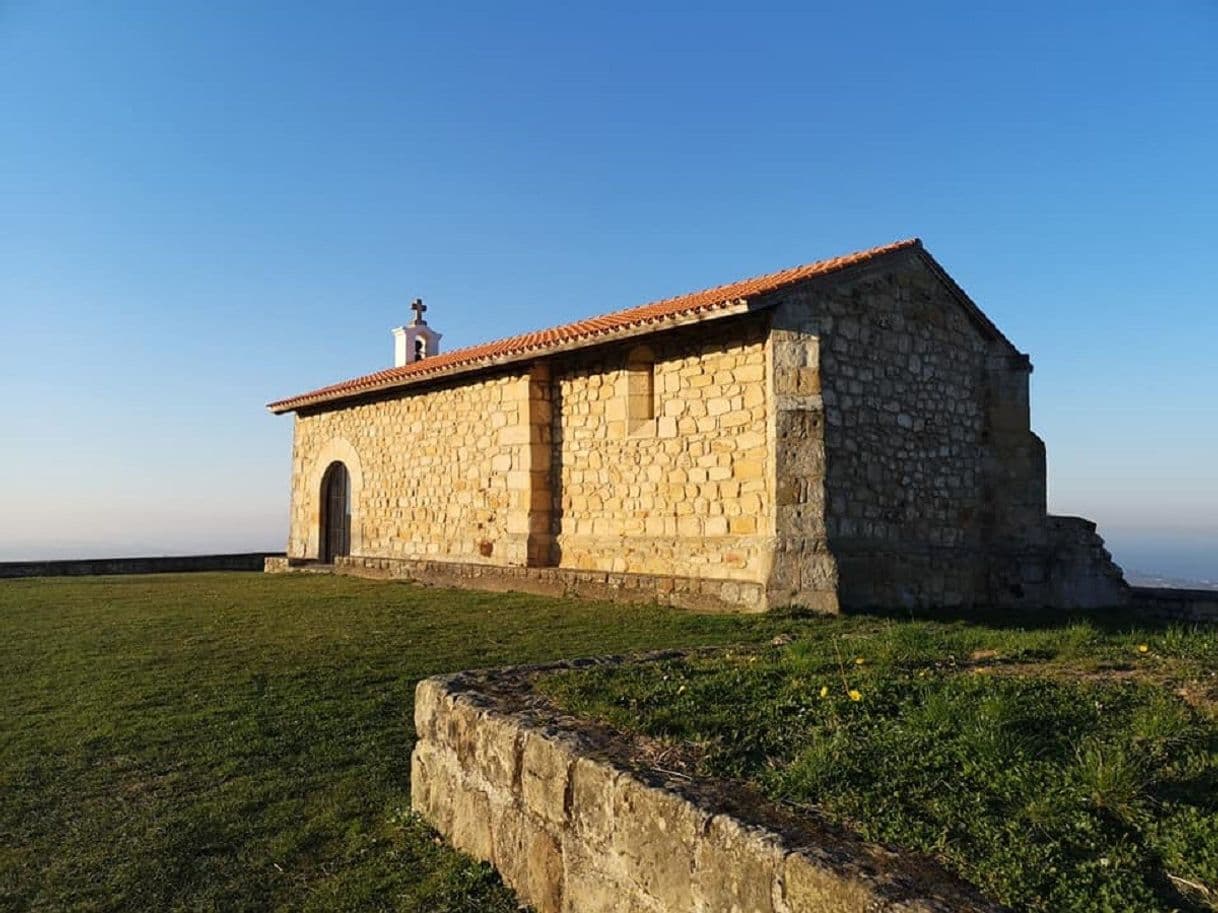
x: 418, y: 307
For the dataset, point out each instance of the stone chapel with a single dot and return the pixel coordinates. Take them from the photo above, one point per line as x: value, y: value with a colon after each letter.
x: 850, y: 433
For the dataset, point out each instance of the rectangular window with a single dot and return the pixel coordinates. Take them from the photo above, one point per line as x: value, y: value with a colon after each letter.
x: 640, y: 388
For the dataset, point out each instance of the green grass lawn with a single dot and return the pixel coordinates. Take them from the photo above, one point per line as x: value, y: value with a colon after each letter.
x: 241, y: 742
x: 1069, y: 767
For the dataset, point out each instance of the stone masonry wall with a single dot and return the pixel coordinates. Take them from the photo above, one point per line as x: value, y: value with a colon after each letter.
x: 906, y: 397
x: 573, y: 829
x: 546, y: 467
x: 686, y: 492
x: 443, y: 473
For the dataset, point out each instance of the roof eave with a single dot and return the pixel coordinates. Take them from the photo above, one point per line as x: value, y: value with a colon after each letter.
x: 711, y: 312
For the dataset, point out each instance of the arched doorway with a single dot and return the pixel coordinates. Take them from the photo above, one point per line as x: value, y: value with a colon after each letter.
x: 335, y: 538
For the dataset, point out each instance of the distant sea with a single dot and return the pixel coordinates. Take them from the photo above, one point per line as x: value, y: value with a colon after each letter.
x: 1158, y: 560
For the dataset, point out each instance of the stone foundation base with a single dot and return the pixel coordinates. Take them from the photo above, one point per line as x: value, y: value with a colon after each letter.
x: 708, y: 595
x: 1072, y: 571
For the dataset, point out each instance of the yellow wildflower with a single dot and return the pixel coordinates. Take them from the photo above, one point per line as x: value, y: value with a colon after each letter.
x: 858, y: 660
x: 1143, y: 648
x: 824, y: 690
x: 855, y: 695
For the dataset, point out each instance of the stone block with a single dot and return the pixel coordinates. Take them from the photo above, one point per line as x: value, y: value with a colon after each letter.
x: 435, y: 777
x: 544, y: 881
x: 460, y: 721
x: 748, y: 469
x: 511, y: 834
x: 808, y: 884
x: 514, y: 435
x: 807, y: 381
x: 588, y: 890
x: 497, y: 751
x: 749, y: 373
x: 429, y: 696
x: 737, y: 867
x: 743, y: 526
x: 470, y: 831
x: 656, y: 834
x: 690, y: 527
x: 546, y: 764
x: 591, y: 812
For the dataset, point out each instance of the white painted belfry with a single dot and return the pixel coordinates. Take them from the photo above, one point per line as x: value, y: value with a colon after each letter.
x: 416, y: 340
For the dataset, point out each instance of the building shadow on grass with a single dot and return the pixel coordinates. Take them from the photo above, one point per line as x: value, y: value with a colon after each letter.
x: 1114, y: 620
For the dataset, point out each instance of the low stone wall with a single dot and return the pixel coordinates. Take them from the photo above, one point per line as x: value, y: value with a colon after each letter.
x: 573, y: 826
x: 684, y: 592
x: 1179, y: 605
x: 172, y: 564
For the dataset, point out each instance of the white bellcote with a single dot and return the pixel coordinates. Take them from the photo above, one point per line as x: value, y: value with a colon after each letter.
x: 416, y: 340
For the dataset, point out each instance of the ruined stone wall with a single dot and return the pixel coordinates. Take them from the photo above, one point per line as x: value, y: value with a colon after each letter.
x: 1078, y: 572
x: 440, y: 473
x: 687, y: 492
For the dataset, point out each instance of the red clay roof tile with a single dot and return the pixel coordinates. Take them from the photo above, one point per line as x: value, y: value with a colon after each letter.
x: 538, y: 342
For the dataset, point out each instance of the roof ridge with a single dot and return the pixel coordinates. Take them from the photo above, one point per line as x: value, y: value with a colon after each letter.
x: 690, y: 303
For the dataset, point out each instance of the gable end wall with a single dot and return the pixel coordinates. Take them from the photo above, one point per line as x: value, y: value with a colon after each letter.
x: 929, y: 464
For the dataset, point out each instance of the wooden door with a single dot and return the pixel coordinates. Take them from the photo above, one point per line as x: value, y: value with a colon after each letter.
x: 335, y: 538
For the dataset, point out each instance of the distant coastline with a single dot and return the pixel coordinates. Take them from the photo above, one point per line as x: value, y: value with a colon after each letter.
x: 1141, y: 578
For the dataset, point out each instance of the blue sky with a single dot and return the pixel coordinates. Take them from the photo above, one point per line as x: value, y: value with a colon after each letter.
x: 207, y: 206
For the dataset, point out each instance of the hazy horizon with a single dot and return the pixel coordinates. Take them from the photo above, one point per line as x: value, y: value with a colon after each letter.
x: 210, y: 207
x: 1148, y: 553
